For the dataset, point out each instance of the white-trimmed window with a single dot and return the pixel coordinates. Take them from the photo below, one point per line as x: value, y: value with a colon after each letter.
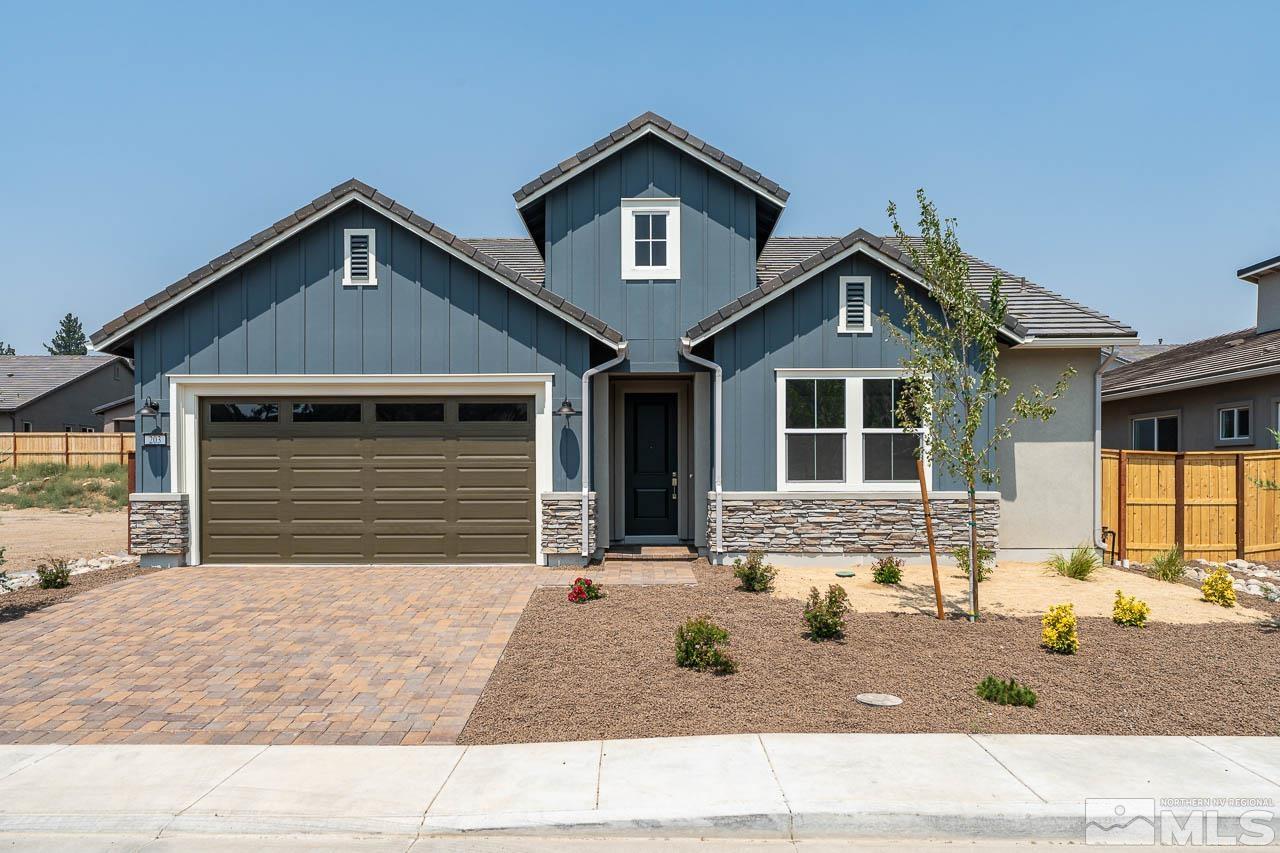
x: 838, y: 430
x: 1159, y: 431
x: 650, y: 238
x: 359, y: 257
x: 1235, y: 423
x: 855, y: 304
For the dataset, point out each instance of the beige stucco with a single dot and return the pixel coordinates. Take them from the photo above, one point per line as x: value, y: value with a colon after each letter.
x: 1269, y: 302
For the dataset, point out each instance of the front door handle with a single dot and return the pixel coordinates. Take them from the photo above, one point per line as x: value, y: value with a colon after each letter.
x: 675, y: 484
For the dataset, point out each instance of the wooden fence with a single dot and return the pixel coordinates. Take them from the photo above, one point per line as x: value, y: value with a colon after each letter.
x: 79, y: 449
x: 1209, y: 502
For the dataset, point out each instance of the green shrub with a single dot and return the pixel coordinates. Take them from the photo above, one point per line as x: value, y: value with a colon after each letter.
x: 1079, y: 565
x: 755, y: 574
x: 1128, y: 610
x: 1006, y: 692
x: 986, y: 560
x: 54, y: 574
x: 6, y: 583
x: 1059, y: 634
x: 888, y: 570
x: 1217, y: 588
x: 825, y: 614
x: 699, y: 645
x: 1168, y: 565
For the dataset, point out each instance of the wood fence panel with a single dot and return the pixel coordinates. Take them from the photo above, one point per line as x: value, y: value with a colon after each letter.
x: 1210, y: 499
x: 1150, y: 504
x: 1262, y: 507
x: 78, y: 449
x: 1110, y: 482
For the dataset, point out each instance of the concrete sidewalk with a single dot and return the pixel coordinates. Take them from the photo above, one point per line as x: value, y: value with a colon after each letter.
x: 783, y: 786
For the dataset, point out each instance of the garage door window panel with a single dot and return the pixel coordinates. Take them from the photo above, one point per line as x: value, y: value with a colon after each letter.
x: 239, y: 412
x: 493, y: 412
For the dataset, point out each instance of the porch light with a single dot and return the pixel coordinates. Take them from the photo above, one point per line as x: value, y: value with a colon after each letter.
x: 566, y: 409
x: 149, y: 409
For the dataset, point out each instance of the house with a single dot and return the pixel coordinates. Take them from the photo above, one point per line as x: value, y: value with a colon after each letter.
x: 117, y: 415
x: 652, y: 364
x: 1129, y: 355
x: 59, y: 393
x: 1221, y: 393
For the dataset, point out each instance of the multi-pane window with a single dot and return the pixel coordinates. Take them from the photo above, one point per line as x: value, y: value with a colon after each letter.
x: 1156, y: 432
x: 650, y: 239
x: 816, y: 433
x: 1233, y: 423
x: 888, y: 447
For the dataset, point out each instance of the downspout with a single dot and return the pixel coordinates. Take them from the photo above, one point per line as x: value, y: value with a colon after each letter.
x: 1098, y: 540
x: 586, y: 440
x: 686, y: 349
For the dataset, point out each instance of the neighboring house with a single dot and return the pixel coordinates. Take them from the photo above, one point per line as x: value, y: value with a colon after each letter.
x: 1129, y: 355
x: 354, y: 384
x: 118, y: 415
x: 1221, y: 393
x: 59, y: 393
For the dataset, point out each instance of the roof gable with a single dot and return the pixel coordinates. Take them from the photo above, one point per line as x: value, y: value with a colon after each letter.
x: 352, y: 191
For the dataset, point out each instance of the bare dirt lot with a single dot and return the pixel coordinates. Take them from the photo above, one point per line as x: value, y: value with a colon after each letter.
x: 29, y: 535
x: 607, y: 669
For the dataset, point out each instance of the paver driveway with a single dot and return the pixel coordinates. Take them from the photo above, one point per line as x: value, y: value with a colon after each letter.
x: 270, y: 655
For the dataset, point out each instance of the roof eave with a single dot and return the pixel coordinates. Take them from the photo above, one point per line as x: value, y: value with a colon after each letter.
x: 1198, y: 382
x: 1254, y: 272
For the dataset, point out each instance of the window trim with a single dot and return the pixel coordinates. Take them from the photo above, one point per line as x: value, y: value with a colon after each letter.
x: 841, y: 326
x: 853, y: 431
x: 632, y: 206
x: 1146, y: 416
x: 347, y: 234
x: 27, y: 426
x: 1217, y: 422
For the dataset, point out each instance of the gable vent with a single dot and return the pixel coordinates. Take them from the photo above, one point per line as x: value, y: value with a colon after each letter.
x: 360, y: 260
x: 855, y: 308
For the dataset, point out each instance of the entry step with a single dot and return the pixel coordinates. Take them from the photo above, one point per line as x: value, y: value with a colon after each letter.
x: 672, y: 553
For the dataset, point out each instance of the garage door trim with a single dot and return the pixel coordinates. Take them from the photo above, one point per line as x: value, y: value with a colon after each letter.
x: 185, y: 393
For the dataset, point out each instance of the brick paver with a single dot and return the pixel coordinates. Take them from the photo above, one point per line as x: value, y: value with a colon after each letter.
x: 271, y: 655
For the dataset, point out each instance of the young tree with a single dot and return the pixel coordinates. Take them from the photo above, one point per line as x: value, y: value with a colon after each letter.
x: 7, y: 349
x: 70, y: 338
x: 951, y: 365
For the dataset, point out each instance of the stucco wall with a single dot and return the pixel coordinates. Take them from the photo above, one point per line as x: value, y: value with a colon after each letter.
x: 1269, y: 302
x: 1046, y: 469
x: 1198, y: 411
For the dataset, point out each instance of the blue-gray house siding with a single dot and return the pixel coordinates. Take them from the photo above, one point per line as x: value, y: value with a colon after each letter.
x: 797, y: 329
x: 288, y: 313
x: 717, y: 247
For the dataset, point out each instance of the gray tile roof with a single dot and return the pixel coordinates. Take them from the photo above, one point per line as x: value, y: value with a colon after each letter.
x: 1129, y: 355
x: 637, y: 125
x: 519, y: 253
x: 323, y: 204
x: 1217, y: 359
x: 25, y: 378
x: 1033, y: 310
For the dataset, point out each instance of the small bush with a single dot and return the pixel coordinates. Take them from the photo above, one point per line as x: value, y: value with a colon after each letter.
x: 1059, y: 634
x: 1079, y: 565
x: 584, y: 590
x: 1217, y: 588
x: 1168, y: 565
x: 1006, y: 692
x: 6, y: 583
x: 825, y: 614
x: 54, y: 574
x: 1128, y: 610
x: 888, y: 570
x: 699, y: 645
x: 755, y: 574
x: 986, y: 561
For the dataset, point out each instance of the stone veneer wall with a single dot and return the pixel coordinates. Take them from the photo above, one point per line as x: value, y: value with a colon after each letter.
x: 849, y: 525
x: 562, y: 523
x: 159, y: 525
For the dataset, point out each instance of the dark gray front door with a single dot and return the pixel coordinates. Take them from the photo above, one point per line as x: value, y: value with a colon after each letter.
x: 651, y: 465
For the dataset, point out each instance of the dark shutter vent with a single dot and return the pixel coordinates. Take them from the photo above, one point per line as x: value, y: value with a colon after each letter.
x: 855, y: 304
x: 360, y: 258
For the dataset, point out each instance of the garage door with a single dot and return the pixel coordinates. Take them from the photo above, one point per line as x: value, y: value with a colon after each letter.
x: 343, y: 480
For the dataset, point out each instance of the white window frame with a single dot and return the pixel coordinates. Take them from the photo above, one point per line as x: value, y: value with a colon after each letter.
x: 842, y: 325
x: 347, y: 234
x: 1152, y: 416
x: 853, y: 432
x: 633, y: 206
x: 1235, y: 407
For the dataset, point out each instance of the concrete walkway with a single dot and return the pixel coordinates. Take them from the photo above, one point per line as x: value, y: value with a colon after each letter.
x: 785, y: 787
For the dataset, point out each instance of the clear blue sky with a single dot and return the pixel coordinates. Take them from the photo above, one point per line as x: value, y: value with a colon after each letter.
x: 1125, y: 154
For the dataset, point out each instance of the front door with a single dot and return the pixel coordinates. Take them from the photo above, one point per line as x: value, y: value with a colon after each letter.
x: 651, y: 465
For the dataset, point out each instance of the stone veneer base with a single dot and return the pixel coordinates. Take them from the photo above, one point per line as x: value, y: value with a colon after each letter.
x: 562, y: 527
x: 159, y: 528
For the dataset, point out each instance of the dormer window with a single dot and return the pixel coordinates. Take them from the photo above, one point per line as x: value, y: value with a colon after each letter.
x: 650, y: 238
x: 360, y: 261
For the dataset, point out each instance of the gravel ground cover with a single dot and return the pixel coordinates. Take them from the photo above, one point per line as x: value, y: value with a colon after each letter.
x: 606, y: 669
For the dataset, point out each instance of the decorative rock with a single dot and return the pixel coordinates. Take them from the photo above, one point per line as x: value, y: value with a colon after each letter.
x: 1240, y: 564
x: 879, y: 700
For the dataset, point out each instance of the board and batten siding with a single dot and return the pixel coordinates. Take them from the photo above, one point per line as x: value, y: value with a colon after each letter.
x: 717, y: 247
x: 287, y: 312
x: 798, y: 330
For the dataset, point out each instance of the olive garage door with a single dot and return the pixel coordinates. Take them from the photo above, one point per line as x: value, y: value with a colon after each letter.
x: 384, y: 480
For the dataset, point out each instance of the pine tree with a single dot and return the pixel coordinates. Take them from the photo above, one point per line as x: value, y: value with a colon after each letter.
x: 7, y: 349
x: 70, y: 338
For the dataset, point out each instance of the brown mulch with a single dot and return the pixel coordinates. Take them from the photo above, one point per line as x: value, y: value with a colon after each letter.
x: 20, y: 602
x: 606, y: 669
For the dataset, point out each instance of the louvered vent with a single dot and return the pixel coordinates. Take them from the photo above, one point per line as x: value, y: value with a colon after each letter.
x: 361, y: 257
x: 855, y: 305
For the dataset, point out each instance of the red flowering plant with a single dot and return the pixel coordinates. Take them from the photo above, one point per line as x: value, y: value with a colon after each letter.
x: 584, y: 590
